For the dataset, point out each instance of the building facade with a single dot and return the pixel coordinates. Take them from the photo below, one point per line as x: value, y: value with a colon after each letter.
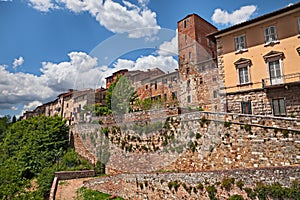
x: 197, y: 64
x: 259, y: 64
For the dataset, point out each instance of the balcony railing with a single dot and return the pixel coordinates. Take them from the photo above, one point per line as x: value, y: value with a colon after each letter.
x: 285, y: 79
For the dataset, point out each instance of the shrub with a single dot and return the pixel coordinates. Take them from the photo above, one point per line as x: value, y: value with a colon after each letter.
x: 211, y: 190
x: 227, y: 183
x: 200, y: 186
x: 240, y: 184
x: 248, y: 127
x: 236, y: 197
x: 227, y: 124
x: 285, y: 133
x: 250, y: 193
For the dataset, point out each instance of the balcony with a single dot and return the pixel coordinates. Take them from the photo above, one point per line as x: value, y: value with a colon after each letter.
x: 281, y: 80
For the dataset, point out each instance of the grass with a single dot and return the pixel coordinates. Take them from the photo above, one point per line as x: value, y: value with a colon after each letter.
x: 88, y: 194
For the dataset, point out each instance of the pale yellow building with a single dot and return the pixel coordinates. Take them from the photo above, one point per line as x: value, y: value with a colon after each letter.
x: 259, y: 62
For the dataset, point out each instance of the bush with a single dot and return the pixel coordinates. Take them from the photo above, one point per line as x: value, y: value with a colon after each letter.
x: 200, y: 186
x: 227, y: 124
x: 250, y: 193
x: 240, y: 184
x: 236, y: 197
x: 227, y: 183
x: 211, y: 190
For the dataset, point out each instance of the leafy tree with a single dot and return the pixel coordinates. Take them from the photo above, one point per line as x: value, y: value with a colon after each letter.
x: 122, y: 96
x: 4, y: 123
x: 29, y: 146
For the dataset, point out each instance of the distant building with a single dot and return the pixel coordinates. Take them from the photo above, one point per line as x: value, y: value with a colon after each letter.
x: 259, y: 61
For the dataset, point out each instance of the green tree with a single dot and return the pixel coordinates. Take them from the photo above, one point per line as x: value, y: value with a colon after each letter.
x: 29, y: 146
x: 123, y: 95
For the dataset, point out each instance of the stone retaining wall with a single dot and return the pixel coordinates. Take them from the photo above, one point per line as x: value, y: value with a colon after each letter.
x: 157, y: 185
x: 197, y: 141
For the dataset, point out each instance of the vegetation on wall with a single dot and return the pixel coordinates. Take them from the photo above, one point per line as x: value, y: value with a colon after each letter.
x: 88, y: 194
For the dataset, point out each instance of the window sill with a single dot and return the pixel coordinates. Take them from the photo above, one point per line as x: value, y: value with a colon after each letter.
x: 272, y: 43
x: 241, y: 51
x: 244, y: 84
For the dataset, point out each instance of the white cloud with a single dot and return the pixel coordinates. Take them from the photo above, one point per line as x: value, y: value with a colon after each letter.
x: 18, y: 61
x: 31, y: 106
x: 144, y: 3
x: 116, y: 17
x: 165, y: 63
x: 21, y: 88
x: 14, y: 108
x: 122, y: 19
x: 237, y: 16
x: 290, y: 4
x: 79, y: 72
x: 42, y: 5
x: 169, y: 48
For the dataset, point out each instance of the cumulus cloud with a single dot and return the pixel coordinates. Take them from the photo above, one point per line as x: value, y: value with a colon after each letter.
x: 165, y: 63
x: 21, y: 88
x: 223, y: 17
x: 79, y: 72
x: 42, y: 5
x: 18, y: 62
x: 143, y: 3
x: 31, y: 106
x: 123, y: 17
x: 169, y: 48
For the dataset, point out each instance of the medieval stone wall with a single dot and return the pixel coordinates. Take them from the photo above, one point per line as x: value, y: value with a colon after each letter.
x: 192, y: 142
x: 191, y: 185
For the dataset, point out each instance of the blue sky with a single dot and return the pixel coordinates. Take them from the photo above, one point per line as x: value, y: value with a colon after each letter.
x: 48, y: 46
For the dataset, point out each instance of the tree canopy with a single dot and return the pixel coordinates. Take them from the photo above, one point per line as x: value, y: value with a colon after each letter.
x: 29, y: 146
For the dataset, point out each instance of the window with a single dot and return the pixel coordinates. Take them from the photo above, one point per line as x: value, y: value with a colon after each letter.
x: 202, y: 68
x: 270, y: 34
x: 190, y: 55
x: 185, y: 39
x: 214, y: 78
x: 174, y: 78
x: 240, y: 42
x: 189, y: 99
x: 165, y: 81
x: 275, y: 72
x: 155, y: 85
x: 279, y: 107
x: 187, y: 70
x: 201, y: 80
x: 184, y: 24
x: 174, y: 95
x: 243, y: 75
x: 188, y: 83
x: 165, y: 97
x: 146, y: 87
x: 299, y: 25
x: 246, y: 107
x: 170, y: 85
x: 215, y: 93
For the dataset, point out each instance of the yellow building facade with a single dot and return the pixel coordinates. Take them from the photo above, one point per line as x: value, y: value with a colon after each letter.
x: 259, y: 63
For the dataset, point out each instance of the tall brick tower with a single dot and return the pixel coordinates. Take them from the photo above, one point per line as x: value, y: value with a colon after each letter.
x: 197, y: 63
